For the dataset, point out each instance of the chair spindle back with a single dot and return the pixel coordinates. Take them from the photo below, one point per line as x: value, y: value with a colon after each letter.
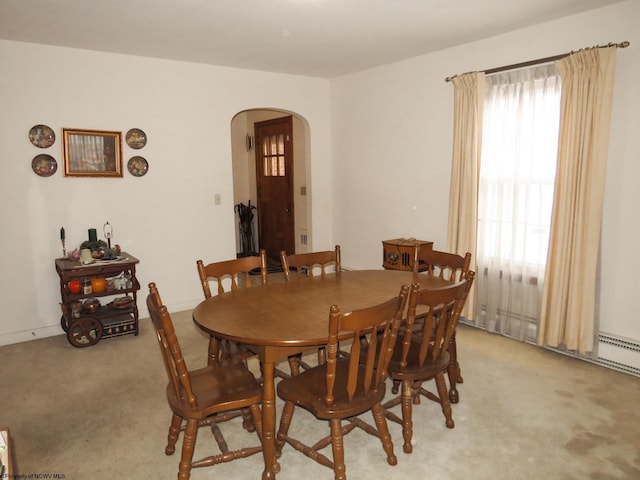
x: 304, y: 264
x: 378, y: 327
x: 170, y: 347
x: 231, y: 270
x: 441, y: 309
x: 448, y: 266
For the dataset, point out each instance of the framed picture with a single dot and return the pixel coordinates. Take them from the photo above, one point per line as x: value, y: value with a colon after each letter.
x: 92, y: 153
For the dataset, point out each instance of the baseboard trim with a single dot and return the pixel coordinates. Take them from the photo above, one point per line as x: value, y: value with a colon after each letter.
x: 28, y: 335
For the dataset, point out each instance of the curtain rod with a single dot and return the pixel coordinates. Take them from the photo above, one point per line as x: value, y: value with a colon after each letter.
x: 624, y: 44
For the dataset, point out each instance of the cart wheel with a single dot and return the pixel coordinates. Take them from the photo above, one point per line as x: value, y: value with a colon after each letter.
x: 84, y: 332
x: 64, y: 323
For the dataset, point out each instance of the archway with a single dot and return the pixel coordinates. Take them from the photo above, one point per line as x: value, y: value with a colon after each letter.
x: 244, y: 171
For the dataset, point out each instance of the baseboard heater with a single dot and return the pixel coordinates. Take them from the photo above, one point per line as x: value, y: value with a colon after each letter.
x: 619, y: 353
x: 615, y: 352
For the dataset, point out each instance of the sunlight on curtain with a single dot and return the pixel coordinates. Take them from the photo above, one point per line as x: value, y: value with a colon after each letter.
x: 518, y: 166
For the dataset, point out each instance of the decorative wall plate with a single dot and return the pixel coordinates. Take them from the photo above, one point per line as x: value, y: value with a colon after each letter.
x: 42, y: 136
x: 44, y: 165
x: 136, y: 138
x: 138, y: 166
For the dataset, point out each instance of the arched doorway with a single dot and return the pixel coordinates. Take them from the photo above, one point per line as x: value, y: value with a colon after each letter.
x: 244, y: 172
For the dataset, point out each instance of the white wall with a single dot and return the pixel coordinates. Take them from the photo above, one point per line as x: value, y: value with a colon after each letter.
x: 379, y: 156
x: 167, y: 218
x: 392, y: 137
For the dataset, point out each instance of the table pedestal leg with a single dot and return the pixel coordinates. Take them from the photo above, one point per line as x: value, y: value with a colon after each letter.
x: 271, y: 466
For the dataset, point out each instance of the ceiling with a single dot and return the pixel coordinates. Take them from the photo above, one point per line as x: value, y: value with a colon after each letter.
x: 319, y: 38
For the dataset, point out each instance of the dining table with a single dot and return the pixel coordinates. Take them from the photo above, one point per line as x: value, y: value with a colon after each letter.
x: 278, y: 320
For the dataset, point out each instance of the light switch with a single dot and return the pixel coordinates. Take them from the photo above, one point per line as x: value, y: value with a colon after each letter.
x: 217, y: 199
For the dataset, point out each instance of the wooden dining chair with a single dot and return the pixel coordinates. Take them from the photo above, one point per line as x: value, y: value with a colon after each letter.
x: 306, y: 265
x: 211, y: 395
x: 235, y: 273
x: 344, y: 388
x: 311, y: 264
x: 445, y: 265
x: 417, y: 359
x: 449, y: 267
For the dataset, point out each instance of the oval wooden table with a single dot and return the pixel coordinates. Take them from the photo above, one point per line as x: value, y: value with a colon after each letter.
x: 281, y: 319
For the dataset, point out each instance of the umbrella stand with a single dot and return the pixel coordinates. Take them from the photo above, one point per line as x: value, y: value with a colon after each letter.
x: 245, y: 214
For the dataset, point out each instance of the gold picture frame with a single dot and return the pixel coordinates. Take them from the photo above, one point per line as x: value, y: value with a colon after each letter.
x: 92, y: 153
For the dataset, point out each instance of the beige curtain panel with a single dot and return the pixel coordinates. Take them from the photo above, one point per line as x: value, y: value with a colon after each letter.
x: 465, y: 165
x: 568, y: 303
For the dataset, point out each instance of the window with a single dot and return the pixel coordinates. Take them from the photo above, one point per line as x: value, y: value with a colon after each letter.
x: 517, y: 174
x: 273, y: 155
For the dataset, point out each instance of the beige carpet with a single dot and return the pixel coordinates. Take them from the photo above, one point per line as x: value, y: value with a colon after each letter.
x: 100, y: 413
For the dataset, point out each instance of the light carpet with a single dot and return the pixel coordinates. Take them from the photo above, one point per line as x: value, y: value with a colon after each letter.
x: 100, y: 413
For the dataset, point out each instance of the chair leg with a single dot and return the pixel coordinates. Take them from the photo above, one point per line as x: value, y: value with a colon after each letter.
x: 322, y: 356
x: 247, y: 420
x: 337, y: 447
x: 214, y: 351
x: 407, y: 417
x: 188, y: 446
x: 172, y: 438
x: 385, y: 436
x: 453, y: 371
x: 283, y: 430
x: 257, y: 420
x: 395, y: 387
x: 444, y: 399
x: 219, y: 437
x: 417, y: 387
x: 294, y: 364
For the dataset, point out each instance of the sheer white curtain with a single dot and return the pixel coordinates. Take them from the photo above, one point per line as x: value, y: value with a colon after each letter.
x: 518, y: 167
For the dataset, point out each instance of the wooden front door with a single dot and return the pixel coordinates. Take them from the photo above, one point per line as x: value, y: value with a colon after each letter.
x: 274, y: 172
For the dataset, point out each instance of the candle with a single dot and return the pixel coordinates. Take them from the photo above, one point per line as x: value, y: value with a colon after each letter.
x: 62, y: 233
x: 93, y: 235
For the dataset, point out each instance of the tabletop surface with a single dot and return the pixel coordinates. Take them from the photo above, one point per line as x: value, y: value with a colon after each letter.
x: 297, y: 312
